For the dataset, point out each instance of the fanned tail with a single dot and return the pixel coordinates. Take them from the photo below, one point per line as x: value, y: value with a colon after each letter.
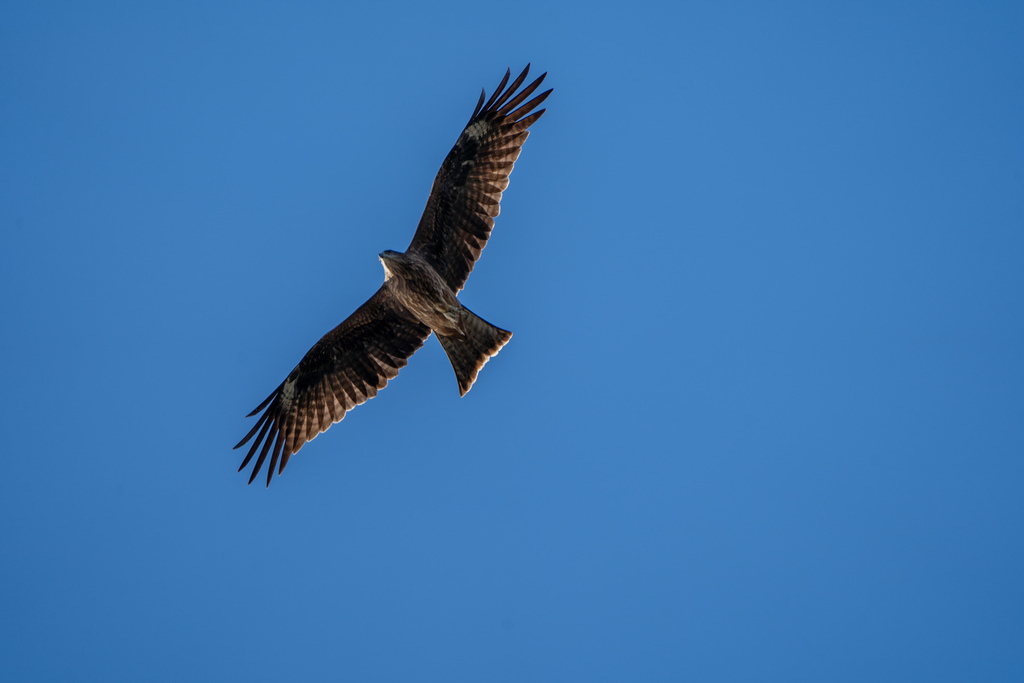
x: 483, y: 340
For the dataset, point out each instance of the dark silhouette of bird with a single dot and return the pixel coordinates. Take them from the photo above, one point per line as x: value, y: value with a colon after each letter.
x: 355, y: 360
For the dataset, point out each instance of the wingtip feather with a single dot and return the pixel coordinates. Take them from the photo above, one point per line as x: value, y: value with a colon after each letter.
x: 497, y: 91
x: 266, y: 402
x: 480, y: 103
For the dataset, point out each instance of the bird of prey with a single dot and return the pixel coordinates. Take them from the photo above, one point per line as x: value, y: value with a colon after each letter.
x: 355, y: 360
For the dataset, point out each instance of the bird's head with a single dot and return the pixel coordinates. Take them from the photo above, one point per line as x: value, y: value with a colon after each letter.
x: 391, y: 260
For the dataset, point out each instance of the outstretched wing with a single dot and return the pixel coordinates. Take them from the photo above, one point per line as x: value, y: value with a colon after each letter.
x: 348, y: 366
x: 467, y: 190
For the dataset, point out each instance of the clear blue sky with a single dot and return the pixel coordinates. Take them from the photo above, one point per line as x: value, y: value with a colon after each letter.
x: 762, y: 417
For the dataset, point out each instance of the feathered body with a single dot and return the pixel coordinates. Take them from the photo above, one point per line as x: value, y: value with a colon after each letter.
x: 469, y: 340
x: 420, y: 290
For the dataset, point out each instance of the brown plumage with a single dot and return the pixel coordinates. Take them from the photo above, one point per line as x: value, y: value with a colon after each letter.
x: 352, y: 362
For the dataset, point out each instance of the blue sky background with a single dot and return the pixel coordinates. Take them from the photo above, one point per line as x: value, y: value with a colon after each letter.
x: 762, y: 417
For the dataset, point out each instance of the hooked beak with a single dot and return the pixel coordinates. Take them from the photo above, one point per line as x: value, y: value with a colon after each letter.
x: 385, y: 258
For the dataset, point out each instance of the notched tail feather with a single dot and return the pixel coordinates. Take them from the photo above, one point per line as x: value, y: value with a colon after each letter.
x: 483, y: 340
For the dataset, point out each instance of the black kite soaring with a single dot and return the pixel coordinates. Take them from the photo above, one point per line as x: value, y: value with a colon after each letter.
x: 355, y: 360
